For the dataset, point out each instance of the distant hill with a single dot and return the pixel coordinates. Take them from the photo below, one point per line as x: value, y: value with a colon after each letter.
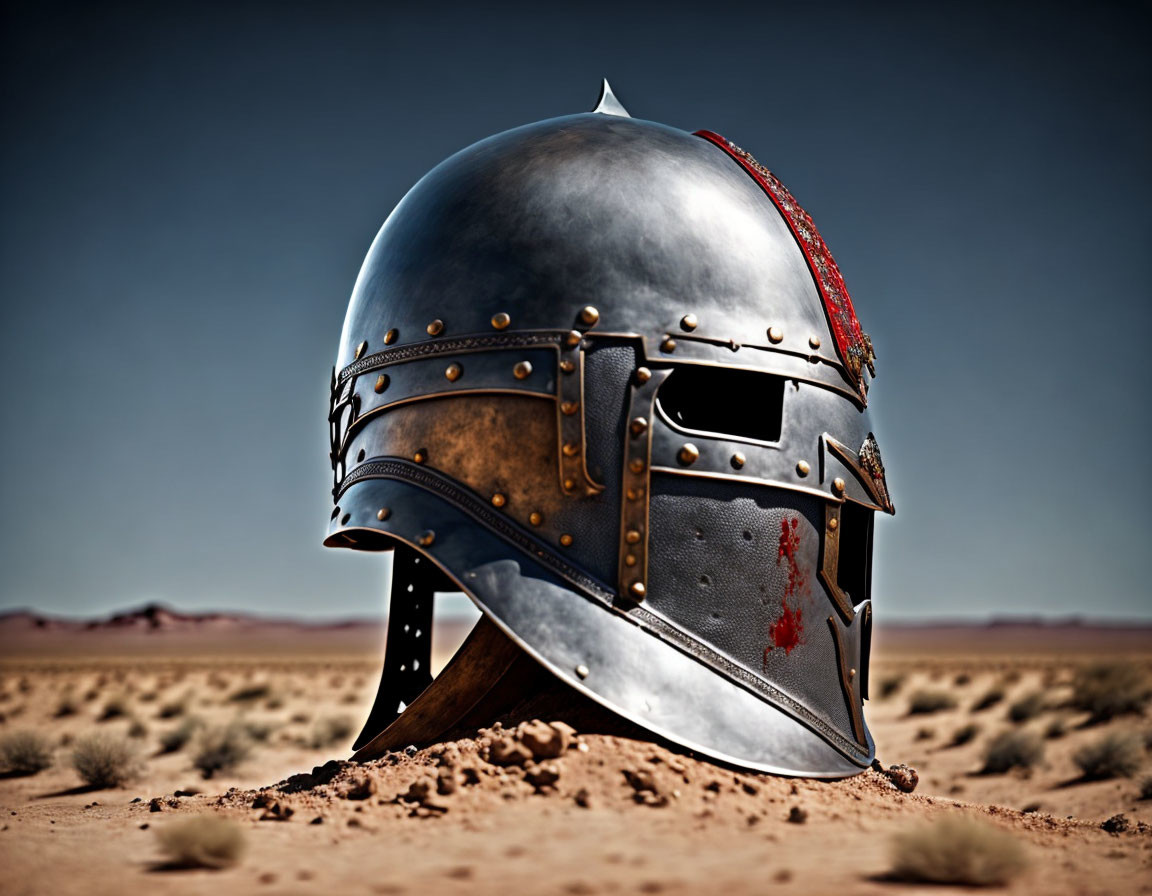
x: 160, y: 631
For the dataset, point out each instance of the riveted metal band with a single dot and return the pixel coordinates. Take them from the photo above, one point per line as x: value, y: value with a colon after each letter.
x: 830, y: 560
x: 574, y: 476
x: 637, y: 465
x: 846, y: 683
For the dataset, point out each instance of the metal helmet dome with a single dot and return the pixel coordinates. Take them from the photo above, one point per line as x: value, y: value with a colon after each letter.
x: 603, y: 376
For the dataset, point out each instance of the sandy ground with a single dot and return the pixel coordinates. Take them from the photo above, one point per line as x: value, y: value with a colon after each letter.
x: 608, y: 814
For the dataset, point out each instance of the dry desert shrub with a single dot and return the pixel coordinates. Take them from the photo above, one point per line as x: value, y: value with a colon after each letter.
x: 957, y: 850
x: 1012, y: 749
x: 67, y: 705
x: 1027, y: 707
x: 251, y: 693
x: 258, y: 732
x: 177, y: 739
x: 964, y: 734
x: 1057, y: 728
x: 331, y: 730
x: 114, y: 708
x: 989, y: 699
x: 24, y: 753
x: 1109, y: 689
x: 103, y: 760
x: 889, y: 685
x: 1115, y: 755
x: 203, y: 841
x: 221, y: 749
x: 924, y: 702
x: 173, y: 708
x: 137, y: 729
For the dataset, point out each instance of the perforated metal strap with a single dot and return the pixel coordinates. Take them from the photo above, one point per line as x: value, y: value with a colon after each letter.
x: 408, y: 646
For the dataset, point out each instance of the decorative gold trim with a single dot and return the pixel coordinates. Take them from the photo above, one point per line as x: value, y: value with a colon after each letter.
x: 851, y: 459
x: 846, y: 686
x: 830, y: 562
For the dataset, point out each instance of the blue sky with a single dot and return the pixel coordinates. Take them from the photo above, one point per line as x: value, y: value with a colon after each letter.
x: 188, y: 191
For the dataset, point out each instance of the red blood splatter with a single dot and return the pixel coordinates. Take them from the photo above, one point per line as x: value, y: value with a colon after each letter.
x: 788, y: 630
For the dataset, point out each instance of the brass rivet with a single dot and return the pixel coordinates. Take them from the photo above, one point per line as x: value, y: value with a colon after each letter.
x: 573, y: 338
x: 453, y: 372
x: 738, y: 459
x: 435, y: 328
x: 566, y: 540
x: 567, y: 366
x: 636, y: 465
x: 851, y: 673
x: 643, y: 374
x: 570, y: 449
x: 427, y: 537
x: 582, y: 671
x: 391, y: 336
x: 421, y: 455
x: 688, y: 454
x: 569, y: 484
x: 360, y: 349
x: 381, y: 383
x: 589, y: 315
x: 634, y: 493
x: 535, y: 518
x: 775, y: 335
x: 637, y: 589
x: 568, y: 408
x: 668, y: 345
x: 632, y: 536
x: 501, y: 320
x: 838, y: 485
x: 522, y: 370
x: 638, y: 426
x: 629, y: 559
x: 814, y: 341
x: 383, y: 513
x: 833, y: 524
x: 498, y: 500
x: 688, y: 322
x: 802, y: 468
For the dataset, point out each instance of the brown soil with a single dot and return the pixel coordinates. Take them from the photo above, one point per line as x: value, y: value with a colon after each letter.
x: 534, y: 808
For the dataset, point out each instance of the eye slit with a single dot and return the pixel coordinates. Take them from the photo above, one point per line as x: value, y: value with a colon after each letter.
x: 724, y: 401
x: 853, y: 570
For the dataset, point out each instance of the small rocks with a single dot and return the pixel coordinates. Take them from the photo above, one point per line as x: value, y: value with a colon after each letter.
x: 583, y: 798
x: 543, y: 775
x: 904, y: 778
x: 509, y: 751
x: 277, y: 812
x: 647, y: 789
x: 1117, y: 824
x: 797, y: 815
x: 357, y: 789
x: 528, y: 741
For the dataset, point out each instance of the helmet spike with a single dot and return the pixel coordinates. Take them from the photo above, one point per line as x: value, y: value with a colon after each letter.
x: 608, y: 104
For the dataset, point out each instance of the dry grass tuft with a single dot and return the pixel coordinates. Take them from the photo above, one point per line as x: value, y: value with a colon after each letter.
x: 1110, y: 689
x: 221, y: 749
x: 251, y: 693
x: 203, y: 841
x: 923, y: 702
x: 957, y: 850
x: 889, y: 685
x: 964, y: 734
x: 177, y: 739
x: 1115, y: 755
x: 24, y: 753
x: 104, y: 760
x: 1027, y: 707
x: 1012, y: 749
x: 989, y: 699
x: 331, y: 730
x: 115, y: 708
x: 1057, y: 728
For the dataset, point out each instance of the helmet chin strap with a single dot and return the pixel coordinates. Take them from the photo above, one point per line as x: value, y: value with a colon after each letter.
x: 408, y: 646
x: 490, y: 678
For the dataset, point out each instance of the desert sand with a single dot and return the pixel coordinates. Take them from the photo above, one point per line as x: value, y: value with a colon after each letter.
x: 532, y: 807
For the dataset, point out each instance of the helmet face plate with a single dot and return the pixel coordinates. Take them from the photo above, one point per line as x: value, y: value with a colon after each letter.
x: 587, y: 373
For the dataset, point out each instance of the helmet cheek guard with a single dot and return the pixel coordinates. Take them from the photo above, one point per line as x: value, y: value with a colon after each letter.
x: 603, y: 376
